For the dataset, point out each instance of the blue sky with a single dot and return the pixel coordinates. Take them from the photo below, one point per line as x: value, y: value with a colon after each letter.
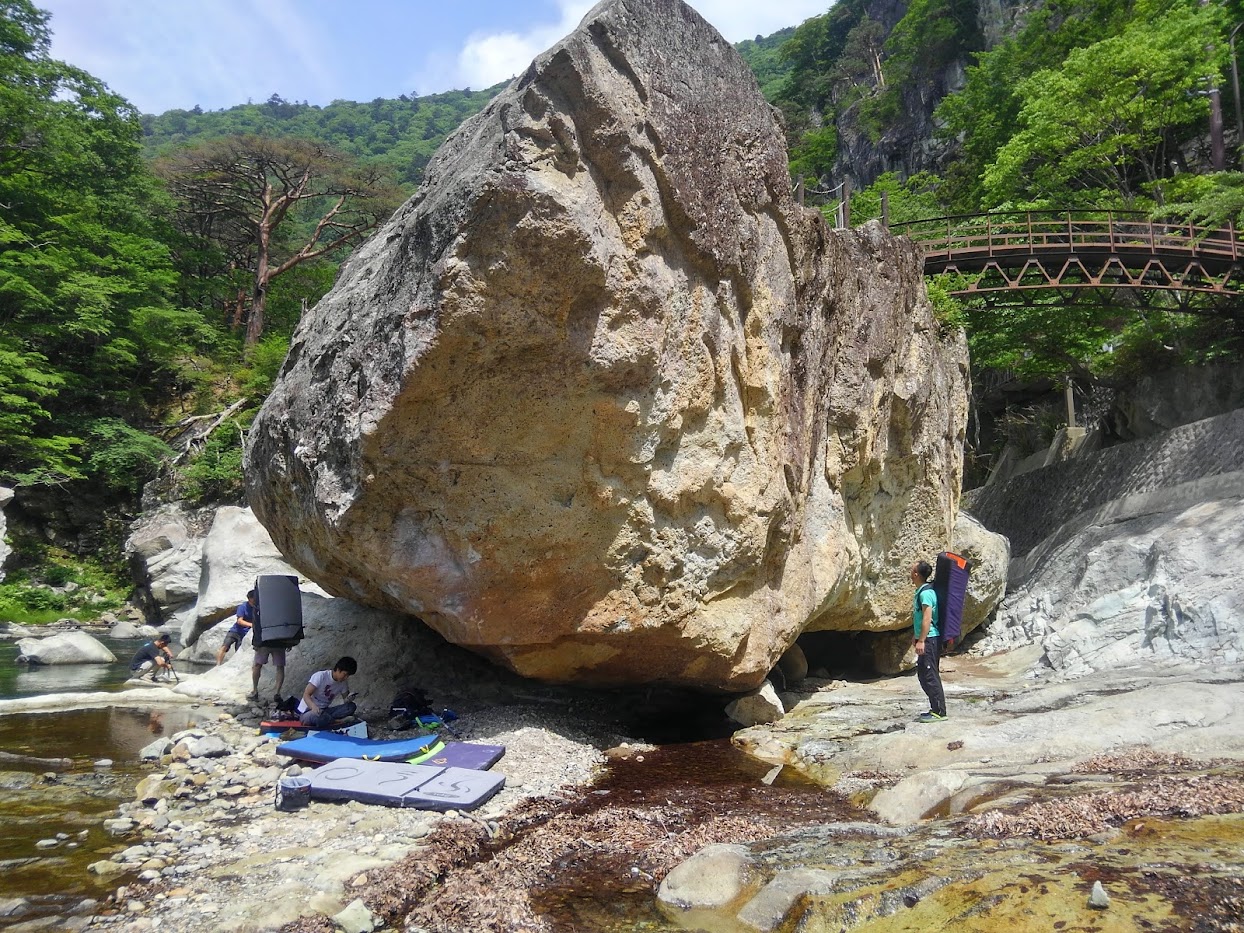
x: 166, y: 54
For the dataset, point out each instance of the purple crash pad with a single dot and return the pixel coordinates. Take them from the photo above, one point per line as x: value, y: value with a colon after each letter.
x: 464, y: 755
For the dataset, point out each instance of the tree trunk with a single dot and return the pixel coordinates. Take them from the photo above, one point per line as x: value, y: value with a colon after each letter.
x: 259, y: 300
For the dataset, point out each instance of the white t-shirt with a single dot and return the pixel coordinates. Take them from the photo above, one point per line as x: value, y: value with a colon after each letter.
x: 326, y: 690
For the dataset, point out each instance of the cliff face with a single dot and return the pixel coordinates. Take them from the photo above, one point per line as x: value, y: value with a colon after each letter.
x: 601, y: 402
x: 910, y: 143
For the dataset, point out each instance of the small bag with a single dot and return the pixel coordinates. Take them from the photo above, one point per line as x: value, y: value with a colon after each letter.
x: 293, y: 793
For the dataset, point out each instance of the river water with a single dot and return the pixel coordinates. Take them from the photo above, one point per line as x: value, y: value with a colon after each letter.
x: 65, y: 803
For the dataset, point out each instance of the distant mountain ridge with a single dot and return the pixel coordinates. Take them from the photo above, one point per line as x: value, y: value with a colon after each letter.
x: 399, y: 133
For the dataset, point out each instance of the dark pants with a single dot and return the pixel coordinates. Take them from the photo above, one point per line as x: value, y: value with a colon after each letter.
x: 930, y: 676
x: 325, y: 719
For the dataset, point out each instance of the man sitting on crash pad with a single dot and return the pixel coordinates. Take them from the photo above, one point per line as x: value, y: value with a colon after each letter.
x: 316, y: 709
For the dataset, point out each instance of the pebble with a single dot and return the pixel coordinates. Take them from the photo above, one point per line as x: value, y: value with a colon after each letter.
x: 1099, y: 898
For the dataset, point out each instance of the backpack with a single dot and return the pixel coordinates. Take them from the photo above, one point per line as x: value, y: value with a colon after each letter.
x: 409, y: 704
x: 950, y: 584
x: 278, y: 612
x: 288, y: 706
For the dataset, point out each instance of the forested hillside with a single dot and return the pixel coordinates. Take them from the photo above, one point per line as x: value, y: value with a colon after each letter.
x: 398, y: 135
x: 153, y: 267
x: 959, y: 106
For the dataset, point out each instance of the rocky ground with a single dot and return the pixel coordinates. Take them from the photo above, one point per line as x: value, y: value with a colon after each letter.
x: 202, y: 847
x: 1008, y: 813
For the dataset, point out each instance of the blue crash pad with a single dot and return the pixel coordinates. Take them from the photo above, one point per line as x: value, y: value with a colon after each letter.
x: 403, y: 785
x: 328, y: 746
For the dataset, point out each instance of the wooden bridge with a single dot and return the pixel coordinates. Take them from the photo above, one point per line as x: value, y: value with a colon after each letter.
x: 1031, y: 251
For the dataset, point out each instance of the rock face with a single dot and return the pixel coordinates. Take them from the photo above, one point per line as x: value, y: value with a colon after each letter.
x: 198, y: 566
x: 1150, y: 579
x: 6, y: 496
x: 601, y: 402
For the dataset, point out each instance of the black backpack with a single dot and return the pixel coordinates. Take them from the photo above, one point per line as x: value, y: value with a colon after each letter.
x: 278, y: 612
x: 410, y: 703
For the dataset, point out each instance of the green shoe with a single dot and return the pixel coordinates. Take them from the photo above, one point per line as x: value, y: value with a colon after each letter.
x: 930, y: 716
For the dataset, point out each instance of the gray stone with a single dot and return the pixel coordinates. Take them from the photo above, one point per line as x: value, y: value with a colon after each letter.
x: 1148, y: 580
x: 767, y: 911
x: 356, y: 918
x: 760, y: 705
x: 66, y: 648
x: 156, y: 749
x: 711, y: 880
x: 1099, y: 898
x: 210, y: 746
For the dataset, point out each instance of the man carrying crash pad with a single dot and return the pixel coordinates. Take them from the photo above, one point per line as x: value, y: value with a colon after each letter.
x: 316, y: 709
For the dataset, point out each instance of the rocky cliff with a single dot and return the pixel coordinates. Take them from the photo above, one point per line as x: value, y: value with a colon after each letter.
x: 604, y: 404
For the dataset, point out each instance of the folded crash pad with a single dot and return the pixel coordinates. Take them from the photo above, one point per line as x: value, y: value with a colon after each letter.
x: 327, y: 746
x: 461, y: 755
x: 403, y: 785
x: 355, y: 727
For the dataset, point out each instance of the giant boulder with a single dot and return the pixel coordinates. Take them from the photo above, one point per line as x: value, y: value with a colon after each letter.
x: 602, y: 402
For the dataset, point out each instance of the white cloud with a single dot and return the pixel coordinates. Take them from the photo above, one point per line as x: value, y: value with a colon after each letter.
x: 164, y: 55
x: 487, y: 58
x: 746, y: 19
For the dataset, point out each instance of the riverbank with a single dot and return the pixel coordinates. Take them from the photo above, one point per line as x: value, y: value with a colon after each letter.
x: 203, y: 848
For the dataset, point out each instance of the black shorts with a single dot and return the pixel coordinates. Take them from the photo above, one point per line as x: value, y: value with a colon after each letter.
x: 232, y: 640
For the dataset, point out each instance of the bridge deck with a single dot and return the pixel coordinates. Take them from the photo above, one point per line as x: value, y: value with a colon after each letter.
x: 974, y: 243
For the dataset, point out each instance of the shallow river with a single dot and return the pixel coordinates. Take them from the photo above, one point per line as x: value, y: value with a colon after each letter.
x: 41, y: 801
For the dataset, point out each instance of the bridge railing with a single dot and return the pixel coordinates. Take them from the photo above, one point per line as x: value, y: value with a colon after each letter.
x: 1006, y: 234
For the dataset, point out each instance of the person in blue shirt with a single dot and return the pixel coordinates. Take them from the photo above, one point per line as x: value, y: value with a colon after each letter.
x: 242, y: 623
x: 927, y: 641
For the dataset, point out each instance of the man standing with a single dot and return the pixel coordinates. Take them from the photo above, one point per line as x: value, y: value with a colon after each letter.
x: 241, y: 625
x: 316, y: 707
x: 927, y: 642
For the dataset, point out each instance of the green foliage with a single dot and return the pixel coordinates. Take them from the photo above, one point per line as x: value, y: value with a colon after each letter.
x: 1048, y: 338
x: 913, y: 199
x: 1211, y: 200
x: 263, y: 206
x: 984, y: 113
x: 815, y: 154
x: 263, y: 363
x: 83, y: 589
x: 1157, y: 340
x: 399, y: 136
x: 214, y: 475
x: 933, y: 33
x: 1105, y: 125
x: 122, y: 457
x: 948, y: 311
x: 82, y: 262
x: 764, y: 57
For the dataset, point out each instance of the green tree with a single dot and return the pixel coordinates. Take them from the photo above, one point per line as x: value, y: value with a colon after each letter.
x: 244, y: 194
x: 1104, y: 127
x: 81, y: 255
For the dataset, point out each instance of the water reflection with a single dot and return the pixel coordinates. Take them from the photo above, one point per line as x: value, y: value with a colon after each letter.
x: 21, y: 680
x: 38, y: 803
